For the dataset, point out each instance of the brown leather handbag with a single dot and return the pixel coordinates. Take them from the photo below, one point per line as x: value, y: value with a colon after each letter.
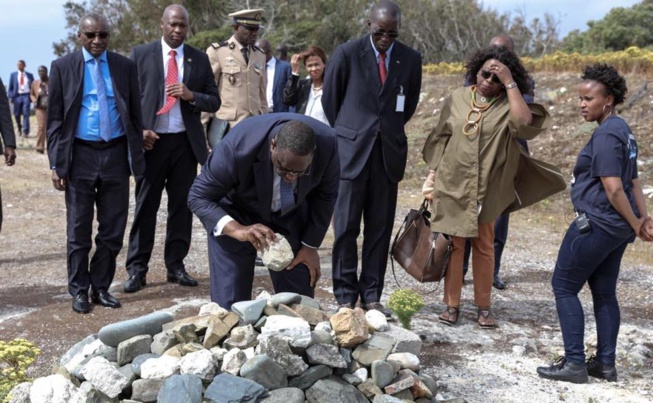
x: 422, y: 253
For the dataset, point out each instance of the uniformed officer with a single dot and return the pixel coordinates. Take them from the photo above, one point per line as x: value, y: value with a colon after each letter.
x: 239, y: 69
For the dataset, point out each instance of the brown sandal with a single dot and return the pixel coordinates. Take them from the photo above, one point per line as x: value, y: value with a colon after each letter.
x: 450, y: 316
x: 486, y: 319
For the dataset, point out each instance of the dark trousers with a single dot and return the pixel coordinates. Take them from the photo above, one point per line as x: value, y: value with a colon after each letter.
x: 231, y: 265
x: 99, y: 178
x: 170, y: 165
x: 371, y: 197
x: 21, y: 107
x: 593, y: 258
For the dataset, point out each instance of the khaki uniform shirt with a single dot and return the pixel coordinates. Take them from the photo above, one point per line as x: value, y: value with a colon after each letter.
x: 480, y: 176
x: 241, y: 85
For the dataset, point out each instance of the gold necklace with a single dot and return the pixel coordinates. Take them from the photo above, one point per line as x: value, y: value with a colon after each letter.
x: 475, y: 115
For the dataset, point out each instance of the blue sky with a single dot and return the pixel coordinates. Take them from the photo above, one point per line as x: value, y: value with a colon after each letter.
x: 29, y: 27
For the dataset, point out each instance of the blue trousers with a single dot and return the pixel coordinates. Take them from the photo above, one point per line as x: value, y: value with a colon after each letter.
x: 593, y: 258
x: 21, y: 107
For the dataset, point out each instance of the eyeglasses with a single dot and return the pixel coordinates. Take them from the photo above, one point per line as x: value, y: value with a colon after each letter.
x: 486, y: 74
x: 93, y: 35
x: 282, y: 171
x: 379, y: 33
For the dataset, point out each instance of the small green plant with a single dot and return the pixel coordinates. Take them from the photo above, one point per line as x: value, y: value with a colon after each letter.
x: 15, y: 357
x: 405, y: 303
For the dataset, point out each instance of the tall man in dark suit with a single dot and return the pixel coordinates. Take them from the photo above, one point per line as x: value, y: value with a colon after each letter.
x: 278, y: 72
x: 272, y: 173
x: 20, y: 83
x: 176, y: 83
x: 8, y: 136
x: 371, y: 90
x: 94, y: 139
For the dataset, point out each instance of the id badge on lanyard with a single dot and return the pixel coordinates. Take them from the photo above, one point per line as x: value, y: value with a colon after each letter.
x: 401, y: 100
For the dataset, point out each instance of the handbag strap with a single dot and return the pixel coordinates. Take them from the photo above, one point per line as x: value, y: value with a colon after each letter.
x: 392, y: 248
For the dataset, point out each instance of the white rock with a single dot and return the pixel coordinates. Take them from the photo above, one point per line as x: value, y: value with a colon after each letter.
x: 264, y: 295
x: 279, y: 256
x: 86, y: 351
x: 519, y: 351
x: 376, y: 320
x: 406, y: 360
x: 20, y: 393
x: 233, y: 360
x: 212, y: 308
x: 218, y: 353
x: 104, y: 377
x: 54, y: 389
x: 160, y: 368
x: 325, y: 326
x: 200, y: 363
x: 296, y: 330
x: 249, y: 352
x: 361, y: 374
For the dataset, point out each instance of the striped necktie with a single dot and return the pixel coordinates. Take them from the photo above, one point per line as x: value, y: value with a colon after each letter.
x: 103, y: 104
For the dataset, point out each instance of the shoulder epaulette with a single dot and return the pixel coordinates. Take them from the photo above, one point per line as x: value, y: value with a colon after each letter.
x: 216, y: 45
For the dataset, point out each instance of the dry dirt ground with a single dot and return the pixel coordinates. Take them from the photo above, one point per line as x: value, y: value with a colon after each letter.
x: 480, y: 366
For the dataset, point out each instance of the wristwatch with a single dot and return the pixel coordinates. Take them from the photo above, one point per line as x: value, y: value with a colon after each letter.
x: 511, y: 85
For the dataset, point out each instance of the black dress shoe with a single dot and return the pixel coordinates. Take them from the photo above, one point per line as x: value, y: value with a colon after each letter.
x: 563, y: 370
x: 379, y: 307
x: 103, y: 298
x: 259, y: 262
x: 598, y: 370
x: 182, y: 278
x: 347, y: 305
x: 134, y: 283
x: 80, y: 303
x: 498, y: 283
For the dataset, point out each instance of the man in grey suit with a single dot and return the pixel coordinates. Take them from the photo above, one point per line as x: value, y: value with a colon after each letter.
x: 176, y: 85
x: 371, y: 90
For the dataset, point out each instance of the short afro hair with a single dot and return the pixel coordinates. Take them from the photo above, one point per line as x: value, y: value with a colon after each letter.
x: 614, y: 83
x: 505, y: 56
x: 296, y: 137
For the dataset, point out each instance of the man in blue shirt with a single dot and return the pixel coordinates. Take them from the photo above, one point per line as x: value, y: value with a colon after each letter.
x: 95, y: 140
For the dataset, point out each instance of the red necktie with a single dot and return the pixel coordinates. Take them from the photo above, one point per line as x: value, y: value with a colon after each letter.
x: 171, y: 78
x: 383, y: 71
x: 22, y: 79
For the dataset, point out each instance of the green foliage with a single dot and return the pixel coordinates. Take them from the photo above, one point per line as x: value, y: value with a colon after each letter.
x: 405, y: 303
x: 15, y: 357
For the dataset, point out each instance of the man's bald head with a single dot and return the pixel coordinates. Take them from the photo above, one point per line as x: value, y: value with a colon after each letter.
x: 503, y: 40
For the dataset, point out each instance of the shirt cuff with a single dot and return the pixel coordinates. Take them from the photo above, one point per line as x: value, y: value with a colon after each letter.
x: 217, y: 231
x: 308, y: 246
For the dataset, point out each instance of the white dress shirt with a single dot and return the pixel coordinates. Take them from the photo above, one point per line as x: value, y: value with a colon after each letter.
x: 171, y: 122
x: 272, y: 64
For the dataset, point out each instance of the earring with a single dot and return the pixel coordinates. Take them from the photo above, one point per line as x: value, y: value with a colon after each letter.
x: 609, y: 109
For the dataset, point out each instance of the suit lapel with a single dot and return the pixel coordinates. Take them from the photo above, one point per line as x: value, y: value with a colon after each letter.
x: 394, y: 67
x: 157, y: 57
x: 264, y: 181
x: 78, y: 75
x: 188, y: 64
x: 368, y: 61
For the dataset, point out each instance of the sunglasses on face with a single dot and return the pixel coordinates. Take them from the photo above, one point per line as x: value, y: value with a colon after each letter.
x: 486, y: 74
x: 93, y: 35
x: 282, y: 171
x: 379, y: 33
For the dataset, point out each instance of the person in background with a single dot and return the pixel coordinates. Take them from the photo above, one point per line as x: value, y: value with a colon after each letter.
x: 20, y: 83
x: 39, y: 96
x: 239, y: 69
x: 606, y: 194
x: 275, y: 173
x: 174, y: 143
x: 477, y: 170
x: 278, y: 73
x: 371, y: 90
x: 7, y: 134
x: 501, y: 224
x: 95, y: 138
x: 306, y: 94
x: 281, y: 52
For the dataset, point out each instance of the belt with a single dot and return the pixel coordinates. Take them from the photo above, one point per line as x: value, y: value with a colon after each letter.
x: 170, y: 134
x: 101, y: 145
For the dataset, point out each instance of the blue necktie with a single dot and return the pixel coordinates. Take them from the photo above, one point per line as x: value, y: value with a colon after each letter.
x: 287, y: 195
x: 103, y: 104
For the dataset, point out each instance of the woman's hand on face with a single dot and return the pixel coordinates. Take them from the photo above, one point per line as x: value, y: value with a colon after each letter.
x: 502, y: 72
x: 294, y: 63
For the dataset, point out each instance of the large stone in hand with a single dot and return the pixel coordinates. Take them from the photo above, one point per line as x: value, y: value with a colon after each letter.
x: 279, y: 256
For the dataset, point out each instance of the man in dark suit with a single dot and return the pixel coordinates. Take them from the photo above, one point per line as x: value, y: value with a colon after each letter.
x: 275, y: 173
x: 176, y: 83
x: 20, y: 83
x: 95, y: 138
x: 278, y: 72
x: 8, y: 136
x: 371, y: 90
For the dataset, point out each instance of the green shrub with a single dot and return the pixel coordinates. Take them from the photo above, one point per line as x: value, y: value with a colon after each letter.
x: 15, y: 357
x: 405, y: 303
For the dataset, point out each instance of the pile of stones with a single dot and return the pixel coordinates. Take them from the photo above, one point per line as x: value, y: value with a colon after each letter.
x: 282, y: 348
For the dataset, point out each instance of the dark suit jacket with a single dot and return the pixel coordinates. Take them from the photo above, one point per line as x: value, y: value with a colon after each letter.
x: 296, y: 93
x: 282, y: 73
x: 237, y: 180
x: 12, y: 91
x: 6, y: 126
x: 359, y: 108
x: 66, y: 88
x: 199, y: 79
